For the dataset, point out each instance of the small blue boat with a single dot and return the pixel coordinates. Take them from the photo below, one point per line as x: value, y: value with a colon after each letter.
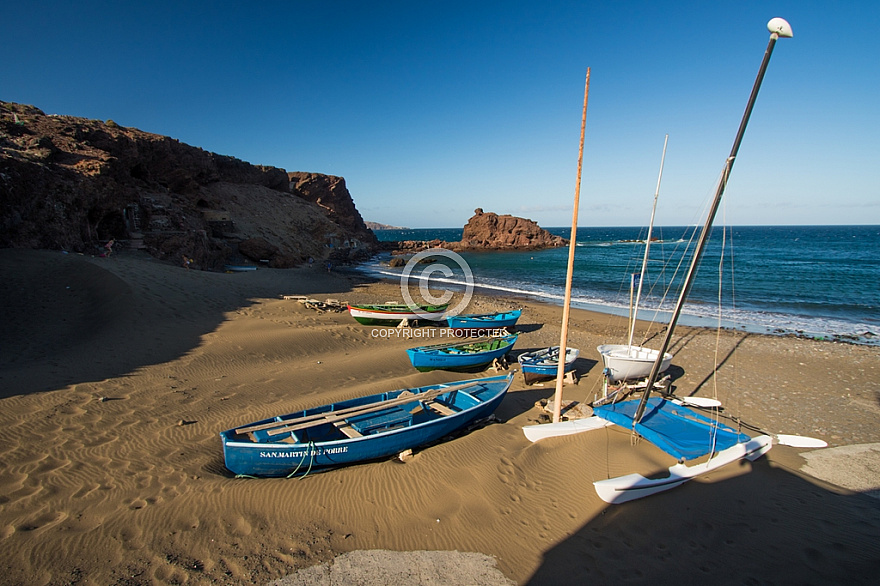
x: 239, y: 268
x: 484, y: 321
x: 361, y: 429
x: 544, y: 364
x: 465, y: 355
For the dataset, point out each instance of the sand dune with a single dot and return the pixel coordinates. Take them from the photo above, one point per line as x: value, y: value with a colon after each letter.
x: 117, y: 374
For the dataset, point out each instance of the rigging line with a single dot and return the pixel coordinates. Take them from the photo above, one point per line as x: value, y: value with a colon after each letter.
x: 694, y: 229
x: 661, y: 279
x: 679, y: 264
x: 718, y: 325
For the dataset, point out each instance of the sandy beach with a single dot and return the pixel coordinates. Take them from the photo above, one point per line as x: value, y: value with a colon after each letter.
x: 117, y: 374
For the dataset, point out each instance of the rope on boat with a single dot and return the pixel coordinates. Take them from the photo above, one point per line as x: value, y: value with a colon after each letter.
x: 311, y: 451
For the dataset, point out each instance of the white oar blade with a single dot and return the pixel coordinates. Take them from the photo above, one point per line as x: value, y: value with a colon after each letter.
x: 544, y: 430
x: 700, y: 402
x: 800, y: 441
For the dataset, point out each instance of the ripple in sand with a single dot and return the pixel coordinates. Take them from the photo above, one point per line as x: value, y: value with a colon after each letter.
x: 43, y: 521
x: 85, y: 491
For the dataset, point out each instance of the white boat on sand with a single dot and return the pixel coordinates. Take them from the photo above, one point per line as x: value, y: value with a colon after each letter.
x: 625, y: 362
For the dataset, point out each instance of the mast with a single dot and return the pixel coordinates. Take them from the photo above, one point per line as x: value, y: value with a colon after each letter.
x: 778, y: 27
x: 635, y: 315
x: 572, y: 243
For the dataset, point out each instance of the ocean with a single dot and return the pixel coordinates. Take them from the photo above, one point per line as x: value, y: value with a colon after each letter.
x: 815, y: 281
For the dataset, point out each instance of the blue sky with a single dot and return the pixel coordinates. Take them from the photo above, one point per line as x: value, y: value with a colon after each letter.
x: 431, y: 109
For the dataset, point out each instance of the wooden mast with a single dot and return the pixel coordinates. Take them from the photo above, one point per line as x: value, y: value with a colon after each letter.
x: 778, y: 28
x: 563, y: 337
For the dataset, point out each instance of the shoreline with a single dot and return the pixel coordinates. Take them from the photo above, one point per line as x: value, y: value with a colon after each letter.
x: 691, y: 320
x: 118, y: 374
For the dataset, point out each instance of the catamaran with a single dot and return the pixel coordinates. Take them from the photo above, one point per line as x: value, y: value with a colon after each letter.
x: 669, y: 425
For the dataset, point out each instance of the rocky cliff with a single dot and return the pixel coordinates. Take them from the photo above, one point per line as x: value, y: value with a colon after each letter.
x: 74, y: 184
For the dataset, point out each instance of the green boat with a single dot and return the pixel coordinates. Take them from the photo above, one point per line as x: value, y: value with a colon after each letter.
x: 392, y: 314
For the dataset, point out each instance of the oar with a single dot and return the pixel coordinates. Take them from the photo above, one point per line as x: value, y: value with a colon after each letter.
x: 703, y: 402
x: 358, y: 408
x: 333, y: 416
x: 798, y: 441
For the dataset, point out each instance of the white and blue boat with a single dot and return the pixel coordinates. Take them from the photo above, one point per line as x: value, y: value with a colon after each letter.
x: 361, y: 429
x: 467, y: 355
x: 484, y: 321
x: 544, y: 364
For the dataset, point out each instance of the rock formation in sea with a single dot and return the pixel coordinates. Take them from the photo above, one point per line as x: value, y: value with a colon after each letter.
x: 73, y: 184
x: 488, y: 231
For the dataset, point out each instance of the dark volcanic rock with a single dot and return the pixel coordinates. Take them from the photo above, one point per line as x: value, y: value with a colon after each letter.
x: 73, y: 183
x: 331, y: 195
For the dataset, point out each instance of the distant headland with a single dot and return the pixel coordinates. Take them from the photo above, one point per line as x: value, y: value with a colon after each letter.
x: 378, y: 226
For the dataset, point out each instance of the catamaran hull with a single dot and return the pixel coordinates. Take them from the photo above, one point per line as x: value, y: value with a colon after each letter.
x: 278, y: 459
x: 624, y: 362
x: 635, y: 486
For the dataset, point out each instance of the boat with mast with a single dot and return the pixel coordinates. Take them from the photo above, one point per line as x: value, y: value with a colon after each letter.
x: 668, y: 424
x: 627, y: 361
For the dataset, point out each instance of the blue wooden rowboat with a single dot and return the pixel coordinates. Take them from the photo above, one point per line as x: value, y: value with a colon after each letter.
x: 544, y: 364
x: 359, y: 429
x: 484, y: 321
x: 467, y: 355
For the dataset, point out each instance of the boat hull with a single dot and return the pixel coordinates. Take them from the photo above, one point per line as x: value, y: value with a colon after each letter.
x: 388, y: 314
x: 624, y: 362
x: 456, y: 356
x: 239, y: 268
x: 544, y: 364
x: 307, y: 453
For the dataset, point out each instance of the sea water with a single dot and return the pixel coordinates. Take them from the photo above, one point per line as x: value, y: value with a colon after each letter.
x: 817, y: 281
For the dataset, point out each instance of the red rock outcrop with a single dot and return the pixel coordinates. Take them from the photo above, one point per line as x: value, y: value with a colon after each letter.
x: 489, y: 231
